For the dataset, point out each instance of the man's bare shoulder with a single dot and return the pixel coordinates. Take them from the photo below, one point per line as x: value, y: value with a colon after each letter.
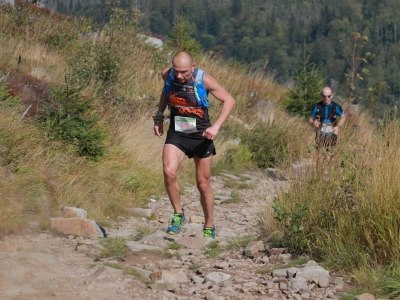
x: 210, y: 83
x: 164, y: 73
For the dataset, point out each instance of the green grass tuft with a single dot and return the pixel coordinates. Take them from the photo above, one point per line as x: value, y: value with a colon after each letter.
x: 113, y: 247
x: 239, y: 242
x: 143, y: 230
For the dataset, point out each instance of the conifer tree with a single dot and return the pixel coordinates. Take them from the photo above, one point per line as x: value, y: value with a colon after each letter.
x: 309, y: 83
x: 73, y: 119
x: 181, y: 38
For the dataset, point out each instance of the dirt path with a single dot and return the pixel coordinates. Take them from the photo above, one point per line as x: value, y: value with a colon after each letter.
x: 47, y: 266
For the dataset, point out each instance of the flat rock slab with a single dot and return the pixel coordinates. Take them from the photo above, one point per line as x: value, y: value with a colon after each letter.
x: 194, y: 242
x: 313, y: 272
x: 137, y: 247
x: 218, y: 277
x: 285, y: 272
x: 103, y: 272
x: 174, y: 277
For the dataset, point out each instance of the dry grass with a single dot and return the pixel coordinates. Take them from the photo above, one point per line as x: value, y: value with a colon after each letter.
x: 131, y: 171
x: 352, y: 219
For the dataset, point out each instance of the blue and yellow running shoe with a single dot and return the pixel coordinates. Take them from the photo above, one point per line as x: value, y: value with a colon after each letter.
x: 209, y: 232
x: 177, y: 221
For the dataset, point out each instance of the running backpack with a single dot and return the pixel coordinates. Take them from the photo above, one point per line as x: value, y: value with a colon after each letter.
x: 199, y: 90
x: 331, y: 112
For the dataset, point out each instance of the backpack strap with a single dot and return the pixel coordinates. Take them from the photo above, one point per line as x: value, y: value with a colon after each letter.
x: 332, y: 115
x: 200, y: 90
x: 199, y: 76
x: 318, y: 115
x: 331, y: 112
x: 168, y: 85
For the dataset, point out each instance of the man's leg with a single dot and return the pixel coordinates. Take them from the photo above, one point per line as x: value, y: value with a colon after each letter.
x: 172, y: 159
x: 203, y: 173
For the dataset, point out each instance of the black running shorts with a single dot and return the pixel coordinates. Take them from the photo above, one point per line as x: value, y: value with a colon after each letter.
x: 324, y: 141
x: 191, y: 144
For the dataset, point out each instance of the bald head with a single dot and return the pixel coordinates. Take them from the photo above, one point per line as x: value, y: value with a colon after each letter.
x: 182, y: 58
x: 183, y: 65
x: 326, y: 95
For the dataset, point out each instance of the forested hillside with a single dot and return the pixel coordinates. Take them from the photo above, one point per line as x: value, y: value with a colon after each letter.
x: 269, y: 35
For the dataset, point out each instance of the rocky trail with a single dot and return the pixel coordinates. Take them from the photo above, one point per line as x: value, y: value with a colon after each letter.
x: 47, y: 265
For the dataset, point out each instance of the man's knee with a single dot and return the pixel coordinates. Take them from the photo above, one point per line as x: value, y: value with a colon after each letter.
x: 203, y: 185
x: 170, y: 173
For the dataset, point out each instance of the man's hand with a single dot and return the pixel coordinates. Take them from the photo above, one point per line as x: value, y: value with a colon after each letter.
x: 159, y: 130
x: 316, y: 123
x: 335, y: 130
x: 211, y: 132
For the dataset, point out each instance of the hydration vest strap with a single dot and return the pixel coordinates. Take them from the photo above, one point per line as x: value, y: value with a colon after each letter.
x: 168, y: 85
x: 199, y: 76
x: 198, y: 87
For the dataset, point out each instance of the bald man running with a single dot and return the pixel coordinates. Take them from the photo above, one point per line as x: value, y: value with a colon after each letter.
x: 324, y: 118
x: 190, y: 133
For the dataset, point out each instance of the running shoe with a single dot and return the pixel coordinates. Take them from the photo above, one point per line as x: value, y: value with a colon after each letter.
x: 177, y: 221
x: 209, y: 232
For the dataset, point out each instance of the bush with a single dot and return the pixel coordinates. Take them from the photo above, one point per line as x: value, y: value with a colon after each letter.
x: 6, y: 99
x: 81, y: 64
x: 60, y: 36
x: 270, y: 144
x: 237, y: 158
x: 73, y: 120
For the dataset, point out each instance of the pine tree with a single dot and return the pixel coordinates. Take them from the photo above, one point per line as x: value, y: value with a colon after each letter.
x: 73, y: 119
x: 309, y: 83
x: 181, y: 38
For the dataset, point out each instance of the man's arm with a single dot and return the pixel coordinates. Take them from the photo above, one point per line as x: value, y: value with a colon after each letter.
x: 314, y: 122
x: 222, y: 95
x: 314, y: 119
x: 339, y: 124
x: 159, y: 126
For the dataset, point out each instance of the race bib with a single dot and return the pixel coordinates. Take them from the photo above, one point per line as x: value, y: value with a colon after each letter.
x: 185, y: 124
x: 326, y: 127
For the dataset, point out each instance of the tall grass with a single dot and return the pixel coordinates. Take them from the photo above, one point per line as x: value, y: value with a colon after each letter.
x: 348, y: 214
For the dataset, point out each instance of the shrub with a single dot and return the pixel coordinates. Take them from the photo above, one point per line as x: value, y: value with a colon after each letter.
x: 72, y: 119
x: 270, y: 144
x: 81, y: 64
x: 6, y: 99
x: 236, y: 158
x: 292, y: 222
x: 61, y: 35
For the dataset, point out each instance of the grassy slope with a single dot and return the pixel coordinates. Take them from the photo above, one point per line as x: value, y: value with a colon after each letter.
x: 351, y: 223
x: 131, y: 171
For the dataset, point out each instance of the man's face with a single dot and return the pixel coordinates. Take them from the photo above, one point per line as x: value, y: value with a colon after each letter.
x: 183, y: 73
x: 326, y: 96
